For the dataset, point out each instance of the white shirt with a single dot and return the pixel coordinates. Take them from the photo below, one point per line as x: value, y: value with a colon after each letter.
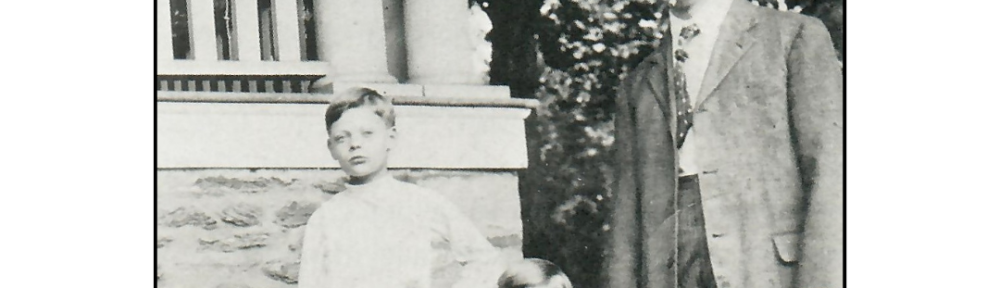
x: 380, y: 235
x: 708, y: 15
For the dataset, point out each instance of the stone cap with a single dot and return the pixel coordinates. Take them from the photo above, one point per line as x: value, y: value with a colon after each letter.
x: 435, y: 96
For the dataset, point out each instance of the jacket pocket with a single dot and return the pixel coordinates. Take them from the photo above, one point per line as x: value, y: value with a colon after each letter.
x: 787, y: 247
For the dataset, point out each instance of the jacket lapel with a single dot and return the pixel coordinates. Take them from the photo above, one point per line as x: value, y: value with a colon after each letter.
x: 734, y: 40
x: 657, y: 78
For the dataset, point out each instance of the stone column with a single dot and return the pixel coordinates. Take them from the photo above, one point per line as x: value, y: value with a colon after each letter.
x: 437, y: 42
x: 351, y: 37
x: 164, y: 37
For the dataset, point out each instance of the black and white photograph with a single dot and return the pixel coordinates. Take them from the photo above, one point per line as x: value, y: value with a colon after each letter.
x: 501, y: 144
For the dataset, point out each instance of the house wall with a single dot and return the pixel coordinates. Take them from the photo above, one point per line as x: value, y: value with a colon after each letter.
x: 238, y: 177
x: 242, y: 228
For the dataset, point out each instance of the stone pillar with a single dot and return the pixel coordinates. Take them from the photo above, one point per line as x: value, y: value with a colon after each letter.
x: 351, y: 37
x: 437, y: 42
x: 164, y: 39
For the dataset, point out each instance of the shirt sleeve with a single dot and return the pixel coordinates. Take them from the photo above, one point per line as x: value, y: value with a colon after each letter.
x: 313, y: 251
x: 467, y: 243
x: 482, y: 262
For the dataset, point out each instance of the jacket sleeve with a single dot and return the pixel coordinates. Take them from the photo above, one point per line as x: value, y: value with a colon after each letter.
x: 622, y: 261
x: 816, y: 102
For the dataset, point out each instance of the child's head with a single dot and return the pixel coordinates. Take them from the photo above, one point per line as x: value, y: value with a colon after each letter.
x: 533, y: 273
x: 360, y: 124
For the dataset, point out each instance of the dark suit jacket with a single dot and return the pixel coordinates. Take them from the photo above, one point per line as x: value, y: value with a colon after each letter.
x: 770, y: 144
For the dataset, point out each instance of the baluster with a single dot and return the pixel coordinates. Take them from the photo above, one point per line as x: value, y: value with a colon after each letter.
x: 287, y: 29
x: 247, y: 32
x: 286, y: 86
x: 269, y: 86
x: 202, y: 21
x: 304, y: 86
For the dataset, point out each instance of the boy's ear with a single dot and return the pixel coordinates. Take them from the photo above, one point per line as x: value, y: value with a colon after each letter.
x: 329, y: 146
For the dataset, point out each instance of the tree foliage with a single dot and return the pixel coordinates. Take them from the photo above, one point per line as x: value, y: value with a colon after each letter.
x: 571, y: 55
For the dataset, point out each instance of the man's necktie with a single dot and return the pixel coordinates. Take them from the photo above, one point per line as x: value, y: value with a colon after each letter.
x: 684, y: 105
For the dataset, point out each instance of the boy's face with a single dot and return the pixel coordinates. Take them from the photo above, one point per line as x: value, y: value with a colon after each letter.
x: 360, y: 141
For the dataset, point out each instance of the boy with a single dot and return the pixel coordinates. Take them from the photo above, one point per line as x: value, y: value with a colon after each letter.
x: 534, y: 273
x: 379, y: 231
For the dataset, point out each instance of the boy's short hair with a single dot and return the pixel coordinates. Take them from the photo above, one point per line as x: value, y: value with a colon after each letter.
x: 531, y: 273
x: 355, y: 97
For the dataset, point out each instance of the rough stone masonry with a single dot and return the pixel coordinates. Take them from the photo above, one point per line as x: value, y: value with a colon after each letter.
x: 240, y: 228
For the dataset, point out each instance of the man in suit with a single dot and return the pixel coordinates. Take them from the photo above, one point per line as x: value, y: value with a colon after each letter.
x: 729, y: 144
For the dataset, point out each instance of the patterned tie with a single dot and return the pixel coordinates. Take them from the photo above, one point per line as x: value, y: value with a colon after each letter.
x: 684, y: 106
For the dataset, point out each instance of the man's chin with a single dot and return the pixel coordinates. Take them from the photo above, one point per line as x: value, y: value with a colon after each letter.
x: 682, y: 4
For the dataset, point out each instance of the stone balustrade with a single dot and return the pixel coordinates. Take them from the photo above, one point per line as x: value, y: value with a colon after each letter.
x: 388, y: 41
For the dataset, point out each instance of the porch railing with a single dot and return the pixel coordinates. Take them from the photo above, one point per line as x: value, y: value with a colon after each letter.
x: 235, y: 46
x: 285, y: 46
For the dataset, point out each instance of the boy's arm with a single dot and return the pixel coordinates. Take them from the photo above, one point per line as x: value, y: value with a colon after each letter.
x: 311, y: 265
x: 482, y: 263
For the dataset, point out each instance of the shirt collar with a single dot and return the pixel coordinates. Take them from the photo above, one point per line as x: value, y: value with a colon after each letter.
x: 708, y: 14
x: 376, y: 184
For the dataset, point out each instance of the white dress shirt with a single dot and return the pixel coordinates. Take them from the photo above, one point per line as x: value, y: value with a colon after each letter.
x: 708, y: 15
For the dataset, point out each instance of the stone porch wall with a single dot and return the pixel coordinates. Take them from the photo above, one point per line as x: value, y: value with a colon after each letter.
x: 243, y: 228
